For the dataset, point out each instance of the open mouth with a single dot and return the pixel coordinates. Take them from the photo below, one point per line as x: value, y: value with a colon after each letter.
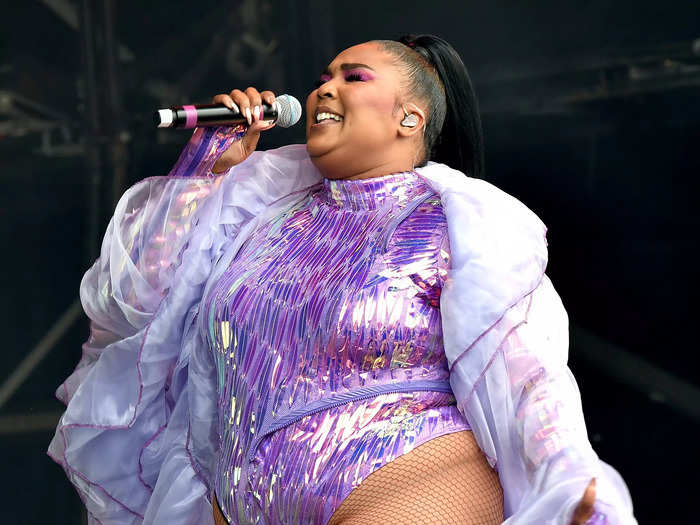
x: 325, y: 117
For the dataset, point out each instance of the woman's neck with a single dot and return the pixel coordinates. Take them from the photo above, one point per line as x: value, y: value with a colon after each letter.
x: 340, y: 164
x: 347, y: 173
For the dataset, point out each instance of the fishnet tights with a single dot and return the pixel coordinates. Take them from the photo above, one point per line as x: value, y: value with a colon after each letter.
x: 443, y: 481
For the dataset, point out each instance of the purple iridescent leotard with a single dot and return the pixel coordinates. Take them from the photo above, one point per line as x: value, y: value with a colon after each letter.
x: 327, y: 335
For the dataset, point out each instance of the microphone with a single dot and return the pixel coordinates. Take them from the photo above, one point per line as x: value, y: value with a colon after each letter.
x: 286, y: 111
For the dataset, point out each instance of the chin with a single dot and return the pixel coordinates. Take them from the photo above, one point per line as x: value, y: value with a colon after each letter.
x: 316, y: 148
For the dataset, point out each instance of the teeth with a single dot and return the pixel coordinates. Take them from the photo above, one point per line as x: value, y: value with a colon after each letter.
x: 325, y: 116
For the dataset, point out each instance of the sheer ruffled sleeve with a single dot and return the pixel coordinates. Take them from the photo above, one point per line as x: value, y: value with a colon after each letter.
x: 137, y: 436
x: 506, y: 339
x: 525, y: 409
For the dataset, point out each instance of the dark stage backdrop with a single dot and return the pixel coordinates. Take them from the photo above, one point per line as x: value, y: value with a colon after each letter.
x: 591, y: 115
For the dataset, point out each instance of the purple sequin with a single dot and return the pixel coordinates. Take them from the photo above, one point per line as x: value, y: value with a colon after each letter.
x: 327, y: 335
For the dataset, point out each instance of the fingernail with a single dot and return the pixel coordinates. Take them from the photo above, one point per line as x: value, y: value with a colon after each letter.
x: 269, y: 123
x: 256, y: 111
x: 235, y: 108
x: 248, y: 117
x: 262, y: 113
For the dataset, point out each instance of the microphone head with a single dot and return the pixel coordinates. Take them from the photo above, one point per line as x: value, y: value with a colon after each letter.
x: 288, y: 111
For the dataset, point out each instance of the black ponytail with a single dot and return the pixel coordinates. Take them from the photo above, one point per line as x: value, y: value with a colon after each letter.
x: 437, y: 74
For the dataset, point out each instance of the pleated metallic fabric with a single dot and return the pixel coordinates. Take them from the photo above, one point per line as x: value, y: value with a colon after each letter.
x: 327, y: 335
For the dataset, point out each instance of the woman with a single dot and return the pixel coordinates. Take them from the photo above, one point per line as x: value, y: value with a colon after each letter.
x: 336, y: 333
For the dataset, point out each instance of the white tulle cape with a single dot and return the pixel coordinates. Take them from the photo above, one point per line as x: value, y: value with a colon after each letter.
x: 137, y: 437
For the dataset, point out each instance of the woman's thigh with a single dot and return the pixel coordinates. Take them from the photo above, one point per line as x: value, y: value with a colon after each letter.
x: 444, y: 480
x: 219, y: 518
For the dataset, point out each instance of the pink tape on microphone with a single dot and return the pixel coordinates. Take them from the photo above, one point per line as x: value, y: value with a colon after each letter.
x: 190, y: 116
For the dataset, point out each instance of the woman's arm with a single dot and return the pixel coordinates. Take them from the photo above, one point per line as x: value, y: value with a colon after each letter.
x: 136, y: 438
x: 526, y: 412
x: 506, y: 338
x: 126, y: 419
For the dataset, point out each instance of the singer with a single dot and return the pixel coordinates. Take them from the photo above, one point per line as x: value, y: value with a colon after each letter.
x: 357, y: 330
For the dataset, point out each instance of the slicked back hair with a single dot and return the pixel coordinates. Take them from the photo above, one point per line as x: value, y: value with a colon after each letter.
x: 437, y: 76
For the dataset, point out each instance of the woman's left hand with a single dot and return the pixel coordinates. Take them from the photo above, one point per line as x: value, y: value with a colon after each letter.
x: 584, y: 510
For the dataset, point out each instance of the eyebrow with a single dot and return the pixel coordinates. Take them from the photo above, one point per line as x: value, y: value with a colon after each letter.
x: 347, y: 67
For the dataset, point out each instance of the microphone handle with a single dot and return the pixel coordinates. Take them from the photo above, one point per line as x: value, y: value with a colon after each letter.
x: 206, y: 115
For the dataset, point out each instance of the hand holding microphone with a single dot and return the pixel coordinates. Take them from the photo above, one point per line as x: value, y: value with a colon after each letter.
x: 258, y: 111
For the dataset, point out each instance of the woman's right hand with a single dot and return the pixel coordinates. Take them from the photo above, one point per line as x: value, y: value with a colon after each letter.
x: 249, y: 102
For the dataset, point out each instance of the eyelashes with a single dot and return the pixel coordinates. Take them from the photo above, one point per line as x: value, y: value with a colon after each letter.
x: 351, y: 76
x: 355, y: 77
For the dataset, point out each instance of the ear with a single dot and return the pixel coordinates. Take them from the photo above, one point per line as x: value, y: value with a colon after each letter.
x: 411, y: 121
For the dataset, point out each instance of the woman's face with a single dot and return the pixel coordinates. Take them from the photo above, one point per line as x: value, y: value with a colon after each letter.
x: 359, y: 92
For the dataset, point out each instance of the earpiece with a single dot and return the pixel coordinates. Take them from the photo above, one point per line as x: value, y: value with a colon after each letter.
x: 410, y: 121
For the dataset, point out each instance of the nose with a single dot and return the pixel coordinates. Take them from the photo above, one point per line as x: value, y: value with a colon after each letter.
x: 326, y: 90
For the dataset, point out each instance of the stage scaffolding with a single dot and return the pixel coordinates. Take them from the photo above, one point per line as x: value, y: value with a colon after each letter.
x: 105, y: 139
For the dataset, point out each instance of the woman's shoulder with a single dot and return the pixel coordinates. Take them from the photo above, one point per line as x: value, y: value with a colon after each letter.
x: 482, y: 218
x: 275, y: 173
x: 478, y: 197
x: 291, y: 156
